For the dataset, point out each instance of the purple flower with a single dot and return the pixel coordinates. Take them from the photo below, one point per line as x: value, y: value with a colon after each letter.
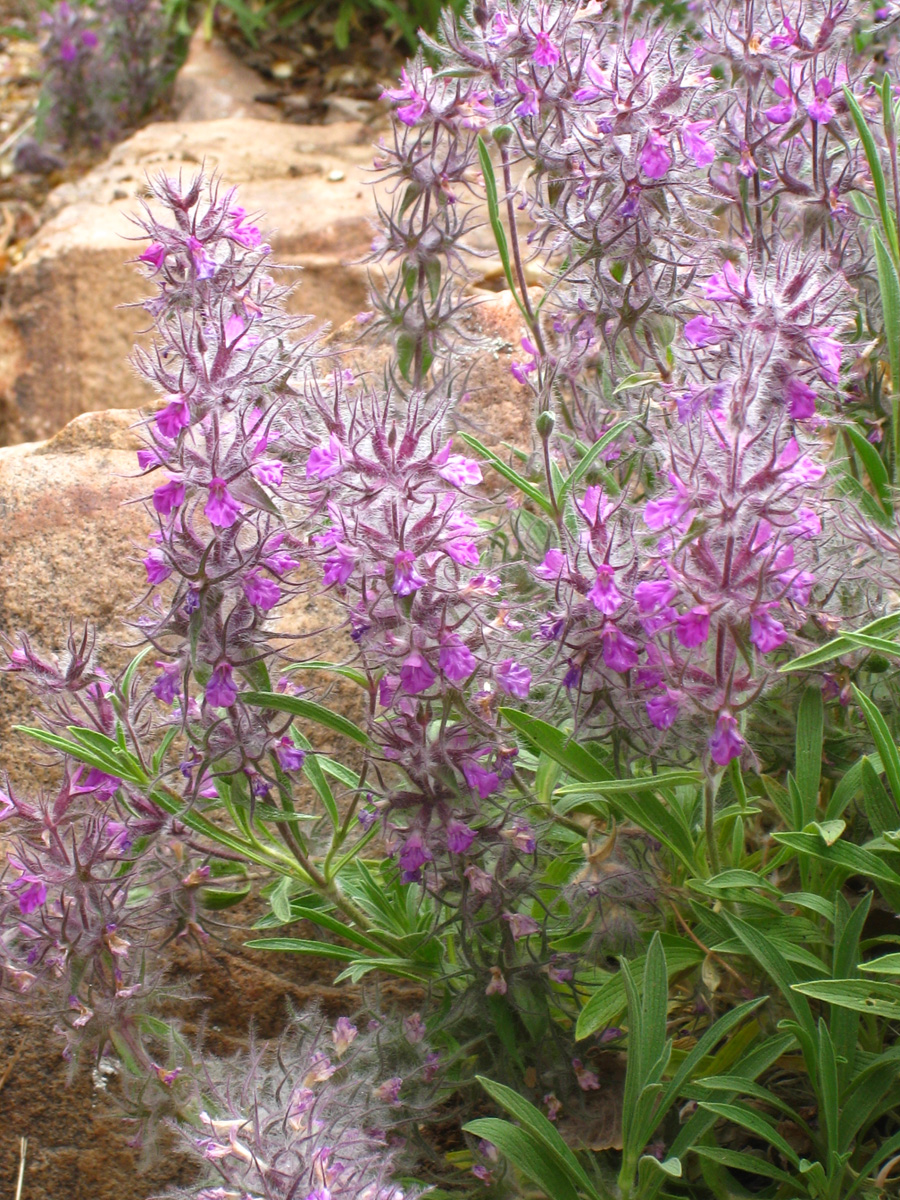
x: 339, y: 567
x: 726, y: 743
x: 343, y: 1035
x: 389, y: 1091
x: 656, y: 157
x: 221, y: 508
x: 89, y: 38
x: 545, y: 53
x: 203, y: 264
x: 154, y: 255
x: 67, y: 51
x: 530, y: 105
x: 663, y: 710
x: 808, y: 524
x: 726, y: 286
x: 828, y: 355
x: 604, y: 595
x: 261, y: 592
x: 483, y: 781
x: 800, y: 397
x: 415, y: 675
x: 520, y: 925
x: 31, y: 888
x: 461, y: 472
x: 414, y: 854
x: 459, y: 837
x: 700, y: 150
x: 168, y: 682
x: 463, y: 551
x: 652, y: 595
x: 782, y: 40
x: 269, y: 472
x: 620, y: 653
x: 819, y: 109
x: 290, y: 756
x: 701, y: 331
x: 692, y: 628
x: 414, y: 1028
x: 156, y: 567
x: 174, y: 417
x: 413, y: 105
x: 168, y: 497
x: 455, y: 659
x: 766, y: 633
x: 780, y: 114
x: 555, y: 562
x: 221, y: 691
x: 514, y: 678
x: 325, y: 461
x: 587, y: 1080
x: 246, y: 235
x: 406, y: 578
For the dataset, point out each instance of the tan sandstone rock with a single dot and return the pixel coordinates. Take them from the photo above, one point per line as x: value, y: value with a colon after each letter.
x: 213, y: 84
x: 63, y: 340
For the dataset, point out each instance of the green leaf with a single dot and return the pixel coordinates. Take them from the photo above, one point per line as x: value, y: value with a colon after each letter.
x: 646, y: 811
x: 861, y: 995
x: 589, y: 459
x: 634, y: 786
x: 527, y: 1154
x: 855, y: 860
x: 744, y: 1162
x: 890, y: 759
x: 840, y: 645
x: 874, y: 160
x: 537, y: 1124
x: 332, y: 668
x: 755, y: 1122
x: 493, y: 207
x: 217, y: 899
x: 609, y: 1001
x: 874, y: 465
x: 889, y: 287
x: 888, y: 964
x: 810, y: 725
x: 765, y: 952
x: 511, y: 476
x: 556, y: 744
x: 635, y: 380
x: 303, y: 946
x: 310, y: 711
x: 79, y: 752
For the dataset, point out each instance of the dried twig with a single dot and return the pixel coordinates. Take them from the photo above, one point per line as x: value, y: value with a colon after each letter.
x: 23, y: 1146
x: 12, y: 1062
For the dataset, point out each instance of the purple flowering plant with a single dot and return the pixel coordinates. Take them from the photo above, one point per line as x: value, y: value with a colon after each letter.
x: 525, y: 735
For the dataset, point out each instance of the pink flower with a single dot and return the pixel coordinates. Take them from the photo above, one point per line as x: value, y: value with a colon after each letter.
x: 415, y: 674
x: 461, y: 472
x: 455, y: 659
x: 700, y: 150
x: 339, y: 567
x: 663, y: 710
x: 156, y: 567
x: 459, y: 837
x: 261, y: 592
x: 656, y: 157
x: 221, y: 691
x: 587, y: 1080
x: 726, y: 287
x: 406, y: 578
x: 619, y: 652
x: 808, y: 524
x: 726, y: 743
x: 463, y: 551
x: 414, y: 854
x: 701, y: 331
x: 174, y: 417
x: 496, y: 987
x: 514, y: 678
x: 800, y: 397
x: 781, y: 40
x: 555, y: 562
x: 766, y: 633
x: 545, y: 53
x: 246, y: 235
x: 325, y: 461
x: 819, y: 109
x: 221, y: 508
x: 168, y: 497
x: 692, y: 628
x: 654, y: 594
x: 154, y: 255
x: 520, y: 925
x: 203, y: 264
x: 669, y: 511
x: 530, y: 105
x: 270, y: 472
x: 343, y: 1035
x: 780, y: 114
x: 828, y: 355
x: 604, y: 595
x: 481, y: 780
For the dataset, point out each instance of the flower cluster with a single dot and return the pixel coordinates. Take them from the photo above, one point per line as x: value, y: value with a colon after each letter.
x: 104, y: 67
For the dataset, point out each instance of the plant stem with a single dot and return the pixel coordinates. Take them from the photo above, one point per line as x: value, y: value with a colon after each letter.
x: 710, y: 788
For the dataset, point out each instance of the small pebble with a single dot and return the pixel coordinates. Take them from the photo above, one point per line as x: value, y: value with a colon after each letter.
x: 335, y: 176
